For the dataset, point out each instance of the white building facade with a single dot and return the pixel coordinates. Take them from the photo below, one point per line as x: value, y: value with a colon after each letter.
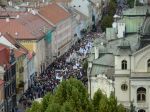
x: 132, y: 79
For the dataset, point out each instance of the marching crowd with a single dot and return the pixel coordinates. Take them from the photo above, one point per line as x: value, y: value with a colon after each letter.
x: 64, y: 67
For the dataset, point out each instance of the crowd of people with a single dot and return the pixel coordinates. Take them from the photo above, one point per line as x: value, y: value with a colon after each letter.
x: 66, y: 66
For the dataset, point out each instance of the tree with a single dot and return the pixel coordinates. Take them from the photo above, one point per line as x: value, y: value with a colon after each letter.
x: 130, y: 3
x: 74, y: 92
x: 53, y: 107
x: 71, y: 96
x: 102, y: 103
x: 106, y: 22
x: 107, y: 18
x: 48, y: 98
x: 96, y: 100
x: 112, y: 103
x: 120, y: 108
x: 104, y: 106
x: 67, y: 107
x: 36, y: 107
x: 112, y: 7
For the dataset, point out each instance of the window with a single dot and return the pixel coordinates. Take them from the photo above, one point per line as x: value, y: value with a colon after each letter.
x: 124, y: 65
x: 148, y: 65
x: 141, y: 94
x: 58, y: 53
x: 141, y: 110
x: 124, y: 87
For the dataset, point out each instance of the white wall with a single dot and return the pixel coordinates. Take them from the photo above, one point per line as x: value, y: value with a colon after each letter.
x: 81, y: 5
x: 140, y: 61
x: 40, y: 56
x: 101, y: 82
x: 122, y: 96
x: 118, y: 63
x: 137, y: 77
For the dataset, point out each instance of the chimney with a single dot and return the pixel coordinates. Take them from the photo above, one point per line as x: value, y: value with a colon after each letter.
x: 96, y: 51
x: 121, y: 30
x: 7, y: 20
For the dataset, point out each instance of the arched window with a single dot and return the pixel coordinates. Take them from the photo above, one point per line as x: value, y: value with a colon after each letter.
x: 124, y: 65
x: 141, y: 94
x: 141, y: 110
x: 148, y: 65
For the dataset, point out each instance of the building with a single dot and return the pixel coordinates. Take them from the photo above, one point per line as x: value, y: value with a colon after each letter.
x: 32, y: 38
x: 100, y: 68
x: 2, y: 96
x: 61, y: 20
x: 84, y: 7
x: 8, y: 75
x: 127, y: 44
x: 132, y: 65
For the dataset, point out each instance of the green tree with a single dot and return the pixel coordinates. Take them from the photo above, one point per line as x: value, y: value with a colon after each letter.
x: 112, y: 103
x: 102, y: 103
x: 106, y: 22
x: 67, y: 107
x: 36, y: 107
x: 53, y: 107
x: 73, y: 91
x: 104, y: 106
x: 96, y: 100
x: 71, y: 96
x: 48, y: 98
x: 120, y: 108
x: 130, y: 3
x: 112, y: 7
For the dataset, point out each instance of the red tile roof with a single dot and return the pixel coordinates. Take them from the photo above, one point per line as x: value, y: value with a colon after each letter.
x: 34, y: 23
x: 13, y: 27
x: 27, y: 26
x: 54, y: 13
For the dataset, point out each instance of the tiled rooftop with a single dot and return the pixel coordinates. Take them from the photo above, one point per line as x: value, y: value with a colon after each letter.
x: 54, y: 13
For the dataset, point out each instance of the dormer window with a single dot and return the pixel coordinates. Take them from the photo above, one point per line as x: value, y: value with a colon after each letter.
x: 124, y: 65
x: 148, y: 65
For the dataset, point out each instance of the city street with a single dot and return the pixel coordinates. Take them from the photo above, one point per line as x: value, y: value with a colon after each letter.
x: 64, y: 67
